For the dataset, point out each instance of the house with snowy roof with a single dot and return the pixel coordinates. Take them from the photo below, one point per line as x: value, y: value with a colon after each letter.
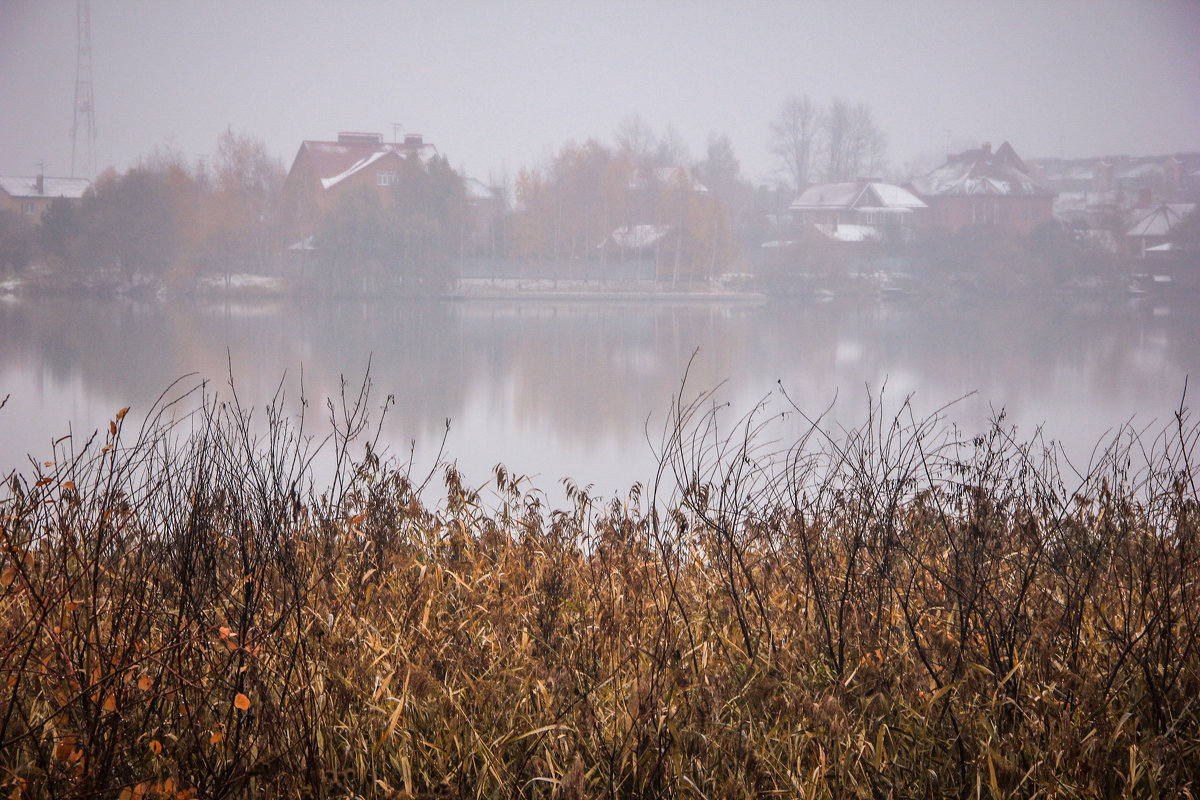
x: 857, y: 211
x: 322, y: 171
x: 985, y: 188
x: 30, y: 197
x: 1153, y: 229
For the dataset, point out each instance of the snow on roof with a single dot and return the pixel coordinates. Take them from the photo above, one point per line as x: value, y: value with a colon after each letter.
x: 357, y: 166
x: 478, y: 190
x: 333, y: 162
x: 895, y: 198
x: 70, y: 188
x: 827, y: 196
x: 980, y: 172
x: 858, y: 195
x: 635, y: 237
x: 1161, y: 219
x: 1141, y: 170
x: 849, y: 233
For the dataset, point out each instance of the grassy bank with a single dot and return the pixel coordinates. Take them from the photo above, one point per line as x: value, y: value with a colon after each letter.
x: 889, y: 613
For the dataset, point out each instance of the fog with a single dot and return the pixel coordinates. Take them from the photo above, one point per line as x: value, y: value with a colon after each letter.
x: 1087, y: 339
x: 500, y: 85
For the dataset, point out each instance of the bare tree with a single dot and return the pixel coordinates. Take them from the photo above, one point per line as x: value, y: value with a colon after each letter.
x: 794, y: 134
x: 854, y: 144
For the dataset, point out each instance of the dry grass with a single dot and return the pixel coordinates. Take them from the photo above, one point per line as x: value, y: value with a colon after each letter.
x: 891, y: 613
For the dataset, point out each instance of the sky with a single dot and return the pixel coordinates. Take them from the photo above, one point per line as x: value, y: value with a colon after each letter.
x: 498, y: 86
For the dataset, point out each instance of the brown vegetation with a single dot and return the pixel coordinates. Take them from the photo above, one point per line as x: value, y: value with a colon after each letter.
x: 892, y: 613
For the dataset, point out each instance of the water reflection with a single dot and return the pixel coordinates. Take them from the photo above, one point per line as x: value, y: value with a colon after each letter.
x: 566, y: 388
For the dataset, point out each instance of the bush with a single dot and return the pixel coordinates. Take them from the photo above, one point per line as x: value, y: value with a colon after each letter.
x: 893, y: 612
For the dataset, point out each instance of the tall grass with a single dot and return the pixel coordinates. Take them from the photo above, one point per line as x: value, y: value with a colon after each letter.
x: 889, y: 612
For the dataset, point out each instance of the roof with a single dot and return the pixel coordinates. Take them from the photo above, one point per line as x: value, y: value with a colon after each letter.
x: 478, y: 190
x: 70, y: 188
x: 356, y: 167
x: 635, y: 237
x: 333, y: 162
x: 1161, y: 219
x: 860, y: 195
x: 981, y: 172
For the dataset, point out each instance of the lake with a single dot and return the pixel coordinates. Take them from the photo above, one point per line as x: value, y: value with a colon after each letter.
x: 558, y: 388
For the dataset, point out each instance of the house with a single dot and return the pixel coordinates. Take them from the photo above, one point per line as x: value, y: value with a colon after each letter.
x: 322, y: 171
x: 981, y: 187
x: 1130, y: 179
x: 1153, y: 229
x: 672, y: 221
x: 856, y: 211
x: 30, y: 197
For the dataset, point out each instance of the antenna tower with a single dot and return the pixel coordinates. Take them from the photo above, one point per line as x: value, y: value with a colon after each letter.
x: 85, y: 106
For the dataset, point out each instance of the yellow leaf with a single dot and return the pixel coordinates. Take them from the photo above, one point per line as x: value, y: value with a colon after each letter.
x: 242, y: 702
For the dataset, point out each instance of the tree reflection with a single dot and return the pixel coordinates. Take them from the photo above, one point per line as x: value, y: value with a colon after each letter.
x: 574, y: 380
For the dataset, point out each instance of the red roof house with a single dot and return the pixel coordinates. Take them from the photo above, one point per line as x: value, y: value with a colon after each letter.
x: 979, y: 187
x: 323, y: 171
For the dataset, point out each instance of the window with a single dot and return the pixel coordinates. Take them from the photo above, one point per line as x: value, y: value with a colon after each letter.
x: 386, y: 178
x: 27, y: 208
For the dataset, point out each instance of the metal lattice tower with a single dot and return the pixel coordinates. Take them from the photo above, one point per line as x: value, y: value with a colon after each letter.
x: 84, y: 125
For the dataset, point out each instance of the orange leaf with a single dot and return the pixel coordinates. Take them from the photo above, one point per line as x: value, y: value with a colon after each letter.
x: 126, y: 794
x: 155, y: 746
x: 242, y: 702
x: 110, y: 703
x: 63, y: 751
x: 68, y: 484
x: 144, y: 683
x: 121, y: 414
x: 216, y: 737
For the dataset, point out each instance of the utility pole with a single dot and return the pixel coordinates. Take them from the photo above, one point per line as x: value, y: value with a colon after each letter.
x: 396, y: 128
x: 85, y: 105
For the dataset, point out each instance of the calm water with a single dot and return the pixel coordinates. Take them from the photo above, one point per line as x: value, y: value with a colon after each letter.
x: 554, y: 389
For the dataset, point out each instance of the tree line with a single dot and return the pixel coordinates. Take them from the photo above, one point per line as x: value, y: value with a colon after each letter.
x: 164, y: 219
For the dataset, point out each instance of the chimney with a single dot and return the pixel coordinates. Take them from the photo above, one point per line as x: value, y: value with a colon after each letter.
x: 39, y: 184
x: 413, y: 141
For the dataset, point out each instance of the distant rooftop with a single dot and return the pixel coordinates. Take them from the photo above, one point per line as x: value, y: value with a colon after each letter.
x: 70, y: 188
x: 862, y: 195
